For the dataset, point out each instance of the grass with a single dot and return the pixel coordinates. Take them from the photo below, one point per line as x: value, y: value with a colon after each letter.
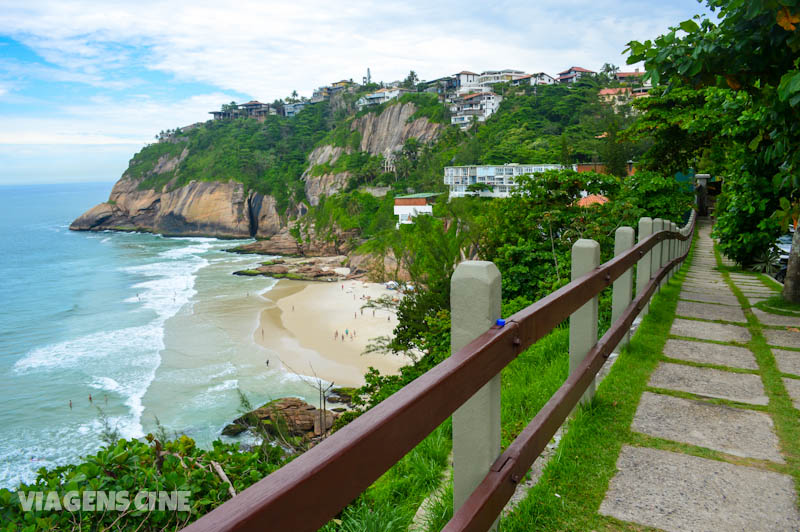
x: 391, y: 502
x: 778, y: 305
x: 575, y: 480
x: 780, y: 407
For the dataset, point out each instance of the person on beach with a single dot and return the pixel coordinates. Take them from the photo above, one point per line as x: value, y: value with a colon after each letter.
x: 70, y: 404
x: 267, y: 362
x: 336, y: 334
x: 373, y: 313
x: 347, y: 332
x: 90, y: 398
x: 355, y: 315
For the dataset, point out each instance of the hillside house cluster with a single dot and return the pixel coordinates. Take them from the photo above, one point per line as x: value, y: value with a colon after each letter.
x: 470, y: 95
x: 490, y: 181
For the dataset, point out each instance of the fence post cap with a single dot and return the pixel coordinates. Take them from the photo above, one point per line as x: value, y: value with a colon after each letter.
x: 475, y: 269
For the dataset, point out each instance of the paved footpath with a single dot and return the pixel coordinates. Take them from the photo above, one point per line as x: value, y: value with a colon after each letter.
x: 708, y: 395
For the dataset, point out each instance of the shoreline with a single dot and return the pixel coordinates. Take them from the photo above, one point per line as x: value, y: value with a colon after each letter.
x: 304, y: 321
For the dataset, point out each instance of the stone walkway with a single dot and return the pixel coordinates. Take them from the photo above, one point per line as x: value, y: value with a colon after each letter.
x: 708, y: 394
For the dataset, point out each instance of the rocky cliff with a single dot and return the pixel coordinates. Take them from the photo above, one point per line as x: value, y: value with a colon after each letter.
x: 380, y: 134
x: 198, y: 209
x: 223, y: 208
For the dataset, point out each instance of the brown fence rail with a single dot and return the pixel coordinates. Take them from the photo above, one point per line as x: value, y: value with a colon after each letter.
x: 335, y: 472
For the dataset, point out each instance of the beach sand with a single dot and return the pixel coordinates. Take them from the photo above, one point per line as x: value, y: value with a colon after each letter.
x: 300, y: 321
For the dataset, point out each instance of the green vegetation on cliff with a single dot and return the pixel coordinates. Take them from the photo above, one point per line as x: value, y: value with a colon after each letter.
x: 267, y: 157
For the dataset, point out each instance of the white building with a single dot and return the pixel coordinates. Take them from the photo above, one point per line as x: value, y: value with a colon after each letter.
x: 470, y: 82
x: 380, y: 96
x: 407, y: 207
x: 478, y: 106
x: 539, y: 78
x: 498, y: 180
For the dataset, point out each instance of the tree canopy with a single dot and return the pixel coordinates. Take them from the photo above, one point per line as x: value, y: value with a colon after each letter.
x: 747, y: 62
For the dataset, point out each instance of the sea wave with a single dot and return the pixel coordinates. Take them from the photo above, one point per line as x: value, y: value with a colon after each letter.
x: 124, y: 361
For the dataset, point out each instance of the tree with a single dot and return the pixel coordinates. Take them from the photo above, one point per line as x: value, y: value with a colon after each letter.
x: 752, y: 54
x: 411, y: 80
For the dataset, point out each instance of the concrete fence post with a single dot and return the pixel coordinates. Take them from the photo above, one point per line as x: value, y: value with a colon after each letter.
x: 655, y: 264
x: 671, y: 246
x: 623, y: 286
x: 475, y: 296
x: 664, y: 254
x: 643, y: 266
x: 583, y: 322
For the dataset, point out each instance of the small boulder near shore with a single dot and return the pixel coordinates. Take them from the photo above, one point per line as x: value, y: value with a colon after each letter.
x: 293, y: 416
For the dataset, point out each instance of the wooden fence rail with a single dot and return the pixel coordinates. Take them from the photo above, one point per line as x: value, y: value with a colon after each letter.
x: 336, y: 471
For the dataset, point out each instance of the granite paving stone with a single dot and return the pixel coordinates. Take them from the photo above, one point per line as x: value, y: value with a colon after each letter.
x: 736, y: 431
x: 765, y: 292
x: 776, y: 319
x: 709, y: 311
x: 678, y: 492
x: 709, y: 297
x: 793, y: 389
x: 782, y: 338
x: 703, y: 352
x: 709, y: 331
x: 788, y: 361
x: 708, y: 382
x: 755, y: 299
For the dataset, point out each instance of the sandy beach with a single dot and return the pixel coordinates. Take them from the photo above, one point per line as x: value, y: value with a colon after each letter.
x: 304, y: 323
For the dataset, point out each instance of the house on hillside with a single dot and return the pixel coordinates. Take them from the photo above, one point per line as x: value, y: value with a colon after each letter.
x: 573, y: 74
x: 540, y: 78
x: 291, y: 109
x: 616, y: 97
x: 490, y: 181
x: 321, y: 94
x: 407, y: 207
x: 483, y: 82
x: 380, y: 96
x: 252, y: 109
x: 478, y: 107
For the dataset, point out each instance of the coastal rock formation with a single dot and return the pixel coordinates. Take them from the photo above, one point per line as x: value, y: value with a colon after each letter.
x: 152, y: 200
x: 327, y: 269
x: 389, y: 130
x: 380, y: 134
x: 292, y: 415
x: 196, y: 209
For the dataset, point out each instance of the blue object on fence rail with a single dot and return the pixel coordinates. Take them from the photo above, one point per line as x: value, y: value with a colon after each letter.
x: 500, y: 322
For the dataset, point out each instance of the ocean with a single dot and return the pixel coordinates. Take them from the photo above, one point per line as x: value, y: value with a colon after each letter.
x: 150, y: 327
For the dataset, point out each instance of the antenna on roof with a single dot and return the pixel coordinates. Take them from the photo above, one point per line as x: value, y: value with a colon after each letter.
x: 368, y: 78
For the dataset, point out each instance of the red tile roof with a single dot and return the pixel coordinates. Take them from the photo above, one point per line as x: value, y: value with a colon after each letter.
x: 470, y: 96
x: 592, y: 199
x: 607, y: 92
x: 577, y: 69
x: 629, y: 74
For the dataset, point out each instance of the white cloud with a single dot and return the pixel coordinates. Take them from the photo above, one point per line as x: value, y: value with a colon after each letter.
x: 104, y: 121
x: 268, y: 49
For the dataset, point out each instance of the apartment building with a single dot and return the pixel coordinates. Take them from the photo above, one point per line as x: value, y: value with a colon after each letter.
x: 478, y: 107
x: 492, y: 181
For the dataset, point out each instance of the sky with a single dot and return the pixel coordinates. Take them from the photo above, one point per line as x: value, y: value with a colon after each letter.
x: 86, y: 84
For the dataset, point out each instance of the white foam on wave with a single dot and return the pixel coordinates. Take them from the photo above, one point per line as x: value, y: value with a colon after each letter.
x: 124, y: 361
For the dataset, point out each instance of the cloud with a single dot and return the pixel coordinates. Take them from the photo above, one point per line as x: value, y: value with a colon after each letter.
x: 104, y: 121
x: 268, y: 49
